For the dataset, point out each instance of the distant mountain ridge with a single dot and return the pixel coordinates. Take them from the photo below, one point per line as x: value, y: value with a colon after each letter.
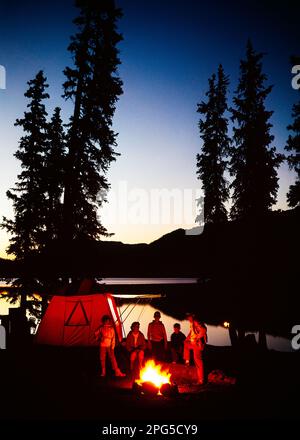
x: 239, y: 247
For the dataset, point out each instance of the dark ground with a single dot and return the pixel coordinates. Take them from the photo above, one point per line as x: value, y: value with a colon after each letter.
x: 43, y: 387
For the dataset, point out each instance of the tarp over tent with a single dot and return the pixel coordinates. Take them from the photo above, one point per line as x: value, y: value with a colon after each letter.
x: 72, y: 320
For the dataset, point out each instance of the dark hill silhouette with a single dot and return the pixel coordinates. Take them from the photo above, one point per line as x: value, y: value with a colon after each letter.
x: 178, y: 234
x: 262, y: 247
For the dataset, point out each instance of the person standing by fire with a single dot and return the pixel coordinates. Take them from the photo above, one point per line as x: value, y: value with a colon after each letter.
x: 196, y: 341
x: 157, y: 338
x: 105, y: 334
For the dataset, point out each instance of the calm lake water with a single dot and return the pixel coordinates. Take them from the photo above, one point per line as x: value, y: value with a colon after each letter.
x: 142, y: 281
x: 217, y: 335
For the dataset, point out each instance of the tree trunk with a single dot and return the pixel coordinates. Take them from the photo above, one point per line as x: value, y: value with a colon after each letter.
x: 233, y: 336
x: 44, y: 305
x: 262, y: 340
x: 23, y: 304
x: 241, y: 334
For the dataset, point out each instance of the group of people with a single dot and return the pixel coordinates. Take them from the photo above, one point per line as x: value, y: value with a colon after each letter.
x: 136, y: 344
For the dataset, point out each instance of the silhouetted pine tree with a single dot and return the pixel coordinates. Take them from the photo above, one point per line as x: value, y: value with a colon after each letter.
x: 27, y: 228
x: 54, y: 176
x: 211, y: 163
x: 94, y: 87
x: 293, y: 146
x: 253, y: 163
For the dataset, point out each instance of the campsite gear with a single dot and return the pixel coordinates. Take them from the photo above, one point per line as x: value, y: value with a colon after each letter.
x: 220, y: 378
x: 73, y: 320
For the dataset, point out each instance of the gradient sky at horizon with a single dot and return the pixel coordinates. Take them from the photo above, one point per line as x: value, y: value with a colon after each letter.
x: 170, y: 49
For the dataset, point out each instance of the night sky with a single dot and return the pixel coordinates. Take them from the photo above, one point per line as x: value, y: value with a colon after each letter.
x: 170, y: 49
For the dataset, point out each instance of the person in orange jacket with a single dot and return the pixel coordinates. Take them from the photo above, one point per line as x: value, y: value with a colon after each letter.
x: 196, y: 341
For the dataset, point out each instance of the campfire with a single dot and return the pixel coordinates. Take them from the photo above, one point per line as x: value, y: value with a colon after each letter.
x: 154, y: 374
x: 154, y: 380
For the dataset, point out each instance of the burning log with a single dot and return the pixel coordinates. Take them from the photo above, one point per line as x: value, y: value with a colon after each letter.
x: 149, y: 389
x: 169, y: 390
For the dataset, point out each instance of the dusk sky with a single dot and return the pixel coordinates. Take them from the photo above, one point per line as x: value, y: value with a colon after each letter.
x: 170, y: 49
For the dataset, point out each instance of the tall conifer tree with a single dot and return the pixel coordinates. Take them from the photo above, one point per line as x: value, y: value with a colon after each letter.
x: 293, y: 147
x: 94, y: 87
x: 211, y: 163
x: 27, y: 228
x: 253, y: 162
x: 54, y: 176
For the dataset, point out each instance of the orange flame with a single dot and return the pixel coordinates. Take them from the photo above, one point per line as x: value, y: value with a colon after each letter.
x: 226, y: 324
x: 154, y: 373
